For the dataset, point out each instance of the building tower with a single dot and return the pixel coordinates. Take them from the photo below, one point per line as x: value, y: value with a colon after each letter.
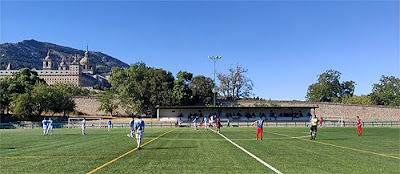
x: 47, y: 62
x: 63, y: 65
x: 74, y: 67
x: 87, y: 63
x: 9, y: 66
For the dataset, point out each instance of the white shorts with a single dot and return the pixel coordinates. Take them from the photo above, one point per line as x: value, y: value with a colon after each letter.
x: 139, y: 135
x: 50, y: 127
x: 44, y: 127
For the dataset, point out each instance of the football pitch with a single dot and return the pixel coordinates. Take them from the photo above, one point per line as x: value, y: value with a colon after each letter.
x: 185, y: 150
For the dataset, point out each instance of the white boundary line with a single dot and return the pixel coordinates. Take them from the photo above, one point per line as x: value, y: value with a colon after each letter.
x: 244, y: 150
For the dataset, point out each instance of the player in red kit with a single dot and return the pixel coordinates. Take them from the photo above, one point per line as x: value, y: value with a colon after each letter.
x: 359, y: 123
x: 218, y: 124
x: 259, y: 123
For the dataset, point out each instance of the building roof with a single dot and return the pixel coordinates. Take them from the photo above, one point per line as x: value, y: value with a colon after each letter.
x: 85, y: 59
x: 234, y: 107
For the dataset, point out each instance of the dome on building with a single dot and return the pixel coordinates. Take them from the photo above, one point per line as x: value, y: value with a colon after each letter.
x: 85, y: 60
x: 48, y: 55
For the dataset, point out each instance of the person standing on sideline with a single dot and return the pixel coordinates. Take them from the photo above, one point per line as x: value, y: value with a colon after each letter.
x: 139, y: 128
x: 109, y: 125
x: 131, y: 125
x: 313, y: 130
x: 260, y: 123
x: 50, y: 126
x: 44, y: 122
x: 195, y: 123
x: 205, y: 123
x: 83, y: 126
x: 359, y: 123
x: 228, y: 123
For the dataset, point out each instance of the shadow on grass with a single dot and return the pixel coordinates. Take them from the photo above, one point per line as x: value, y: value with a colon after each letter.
x: 158, y: 148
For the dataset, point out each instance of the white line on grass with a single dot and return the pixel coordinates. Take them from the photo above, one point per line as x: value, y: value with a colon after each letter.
x: 244, y: 150
x: 252, y: 139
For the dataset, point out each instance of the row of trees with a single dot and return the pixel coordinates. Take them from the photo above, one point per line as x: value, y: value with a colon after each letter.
x: 329, y: 89
x: 27, y: 96
x: 140, y: 89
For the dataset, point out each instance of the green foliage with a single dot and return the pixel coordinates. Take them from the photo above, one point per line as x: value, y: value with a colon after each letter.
x: 387, y: 91
x: 202, y: 87
x: 22, y: 105
x: 142, y: 88
x: 5, y: 95
x: 107, y: 101
x: 361, y: 100
x: 181, y: 92
x: 329, y: 87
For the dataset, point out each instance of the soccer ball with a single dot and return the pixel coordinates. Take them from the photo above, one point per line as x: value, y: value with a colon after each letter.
x: 129, y: 135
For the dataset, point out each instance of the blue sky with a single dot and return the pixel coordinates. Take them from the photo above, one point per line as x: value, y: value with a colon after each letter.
x: 284, y: 45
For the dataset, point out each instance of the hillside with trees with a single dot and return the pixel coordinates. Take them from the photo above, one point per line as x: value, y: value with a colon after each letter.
x: 28, y: 54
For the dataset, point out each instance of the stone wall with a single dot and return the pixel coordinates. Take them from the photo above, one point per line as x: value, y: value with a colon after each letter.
x: 348, y: 111
x: 89, y: 105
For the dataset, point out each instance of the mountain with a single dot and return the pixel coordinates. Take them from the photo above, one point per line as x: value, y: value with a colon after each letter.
x: 29, y: 54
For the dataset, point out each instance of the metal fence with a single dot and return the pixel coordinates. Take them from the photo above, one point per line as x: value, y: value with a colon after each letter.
x: 189, y: 124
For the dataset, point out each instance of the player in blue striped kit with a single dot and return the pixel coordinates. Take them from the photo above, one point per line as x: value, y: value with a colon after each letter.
x: 44, y: 122
x: 109, y: 125
x: 83, y: 126
x: 50, y: 126
x: 139, y: 129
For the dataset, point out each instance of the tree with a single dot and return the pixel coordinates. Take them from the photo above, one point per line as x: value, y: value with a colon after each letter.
x: 361, y: 100
x: 387, y: 91
x: 235, y: 84
x: 22, y: 106
x: 142, y: 88
x: 60, y: 99
x: 201, y: 87
x: 107, y: 103
x: 181, y: 92
x: 329, y: 87
x: 5, y: 95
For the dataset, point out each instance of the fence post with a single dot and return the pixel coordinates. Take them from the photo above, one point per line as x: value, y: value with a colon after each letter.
x: 247, y: 123
x: 32, y: 125
x: 286, y: 124
x: 276, y: 124
x: 295, y: 124
x: 382, y: 123
x: 161, y: 124
x: 238, y: 124
x: 391, y: 124
x: 151, y: 124
x: 372, y: 124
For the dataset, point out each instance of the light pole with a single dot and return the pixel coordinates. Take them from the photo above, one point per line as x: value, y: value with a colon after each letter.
x: 214, y: 58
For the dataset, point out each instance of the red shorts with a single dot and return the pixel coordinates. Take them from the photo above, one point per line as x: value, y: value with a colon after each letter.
x: 217, y: 126
x: 259, y: 130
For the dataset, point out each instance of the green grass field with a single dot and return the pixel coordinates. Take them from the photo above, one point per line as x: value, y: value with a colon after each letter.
x: 185, y: 150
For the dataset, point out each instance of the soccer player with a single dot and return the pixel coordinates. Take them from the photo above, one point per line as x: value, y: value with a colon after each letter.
x: 260, y: 123
x: 83, y: 126
x: 205, y: 123
x: 218, y: 124
x: 131, y: 124
x: 313, y: 130
x: 195, y: 123
x: 109, y: 125
x: 139, y: 128
x: 50, y: 126
x: 359, y: 123
x: 44, y: 122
